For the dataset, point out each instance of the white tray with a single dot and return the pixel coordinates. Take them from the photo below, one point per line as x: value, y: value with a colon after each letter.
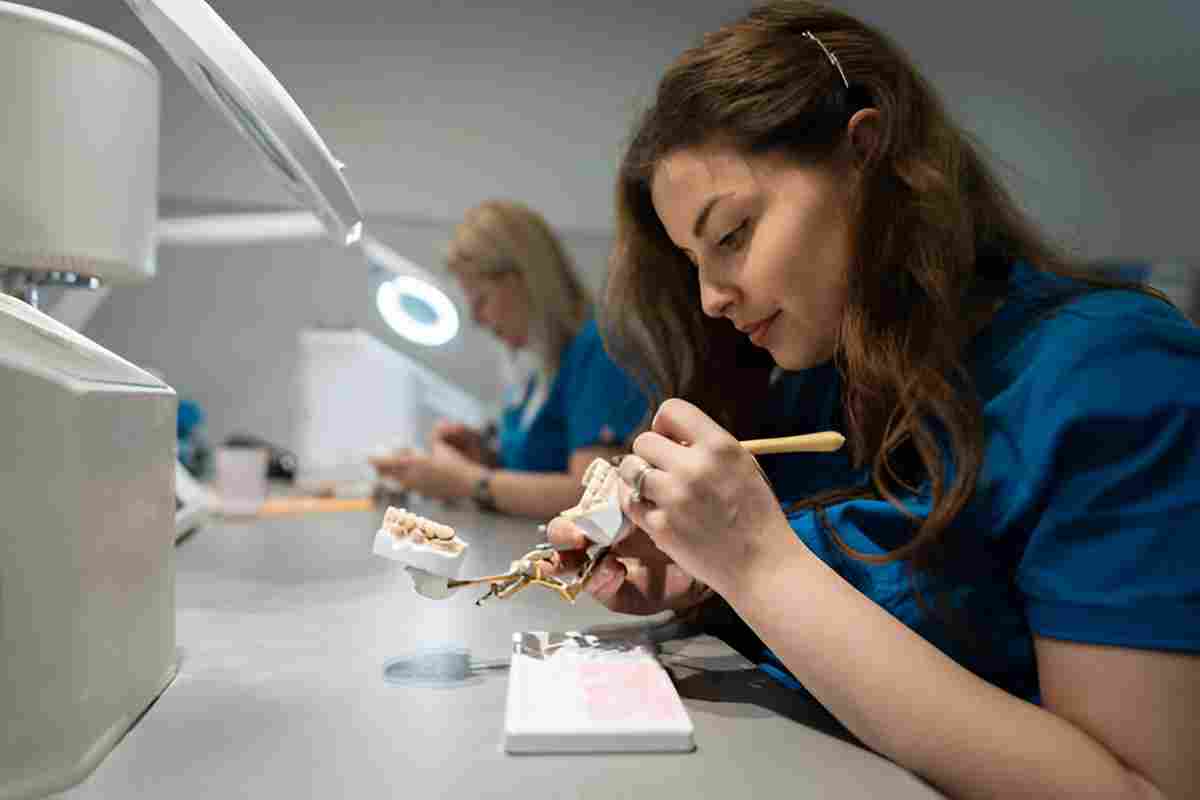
x: 574, y: 693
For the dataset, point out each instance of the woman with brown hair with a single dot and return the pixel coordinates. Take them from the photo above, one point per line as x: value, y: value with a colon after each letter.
x: 997, y: 585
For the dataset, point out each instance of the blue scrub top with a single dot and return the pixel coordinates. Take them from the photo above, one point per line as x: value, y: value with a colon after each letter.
x: 591, y: 402
x: 1085, y: 521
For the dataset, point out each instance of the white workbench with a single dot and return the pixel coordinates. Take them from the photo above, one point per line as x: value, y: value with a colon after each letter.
x: 284, y: 625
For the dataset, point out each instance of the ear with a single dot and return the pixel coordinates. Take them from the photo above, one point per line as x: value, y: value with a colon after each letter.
x: 864, y: 132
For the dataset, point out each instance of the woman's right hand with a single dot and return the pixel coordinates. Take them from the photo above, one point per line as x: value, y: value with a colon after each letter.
x: 462, y: 438
x: 635, y: 577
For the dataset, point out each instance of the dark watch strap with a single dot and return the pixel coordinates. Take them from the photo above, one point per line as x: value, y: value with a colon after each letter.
x: 483, y: 493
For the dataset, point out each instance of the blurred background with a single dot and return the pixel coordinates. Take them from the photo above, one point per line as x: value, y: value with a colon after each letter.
x: 1090, y: 108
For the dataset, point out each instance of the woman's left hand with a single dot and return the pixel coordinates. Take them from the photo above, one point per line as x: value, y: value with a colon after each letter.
x: 703, y: 501
x: 444, y: 472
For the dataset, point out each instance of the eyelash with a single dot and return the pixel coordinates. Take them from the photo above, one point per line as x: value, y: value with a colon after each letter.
x: 734, y: 239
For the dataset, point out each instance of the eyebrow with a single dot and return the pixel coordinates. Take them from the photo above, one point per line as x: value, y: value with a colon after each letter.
x: 702, y: 218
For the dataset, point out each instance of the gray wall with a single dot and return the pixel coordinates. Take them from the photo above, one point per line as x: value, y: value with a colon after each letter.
x: 220, y: 323
x: 435, y: 105
x: 1091, y: 108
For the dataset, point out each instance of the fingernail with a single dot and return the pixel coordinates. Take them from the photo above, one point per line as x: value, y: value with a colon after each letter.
x: 606, y: 571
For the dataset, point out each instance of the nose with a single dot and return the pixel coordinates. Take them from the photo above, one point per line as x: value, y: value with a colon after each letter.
x: 716, y: 300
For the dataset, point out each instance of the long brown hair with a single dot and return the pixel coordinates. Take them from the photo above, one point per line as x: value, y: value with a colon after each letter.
x: 935, y: 235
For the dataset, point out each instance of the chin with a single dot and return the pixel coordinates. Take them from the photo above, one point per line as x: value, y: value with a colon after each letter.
x: 797, y: 361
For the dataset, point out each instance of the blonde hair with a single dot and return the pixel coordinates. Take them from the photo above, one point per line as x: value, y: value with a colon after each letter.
x: 500, y: 236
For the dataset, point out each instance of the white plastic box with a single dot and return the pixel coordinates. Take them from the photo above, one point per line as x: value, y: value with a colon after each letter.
x: 577, y: 693
x: 357, y: 395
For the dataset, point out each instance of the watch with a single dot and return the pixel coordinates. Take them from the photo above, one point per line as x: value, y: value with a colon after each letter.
x: 482, y: 494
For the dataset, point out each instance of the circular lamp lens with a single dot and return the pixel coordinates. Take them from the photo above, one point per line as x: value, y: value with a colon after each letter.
x: 417, y: 310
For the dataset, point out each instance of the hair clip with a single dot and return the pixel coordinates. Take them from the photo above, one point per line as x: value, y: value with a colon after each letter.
x: 832, y: 58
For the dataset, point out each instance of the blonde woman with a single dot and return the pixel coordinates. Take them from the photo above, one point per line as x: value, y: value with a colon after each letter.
x: 576, y: 405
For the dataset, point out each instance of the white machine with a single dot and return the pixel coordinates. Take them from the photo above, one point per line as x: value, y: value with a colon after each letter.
x: 355, y: 395
x: 87, y: 439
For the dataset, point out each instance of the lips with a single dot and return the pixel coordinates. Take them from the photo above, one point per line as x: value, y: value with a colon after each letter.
x: 758, y: 331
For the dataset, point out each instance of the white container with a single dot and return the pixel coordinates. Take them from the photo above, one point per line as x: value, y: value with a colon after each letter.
x: 241, y: 479
x: 358, y: 397
x: 576, y: 693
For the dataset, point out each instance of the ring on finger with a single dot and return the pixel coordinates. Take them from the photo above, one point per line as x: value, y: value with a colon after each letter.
x: 638, y: 480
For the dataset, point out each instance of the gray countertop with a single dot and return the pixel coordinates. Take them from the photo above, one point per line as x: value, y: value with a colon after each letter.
x: 284, y: 625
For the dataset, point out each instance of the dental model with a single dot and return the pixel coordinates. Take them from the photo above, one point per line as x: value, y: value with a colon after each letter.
x: 433, y: 554
x: 598, y: 511
x: 599, y: 484
x: 429, y: 546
